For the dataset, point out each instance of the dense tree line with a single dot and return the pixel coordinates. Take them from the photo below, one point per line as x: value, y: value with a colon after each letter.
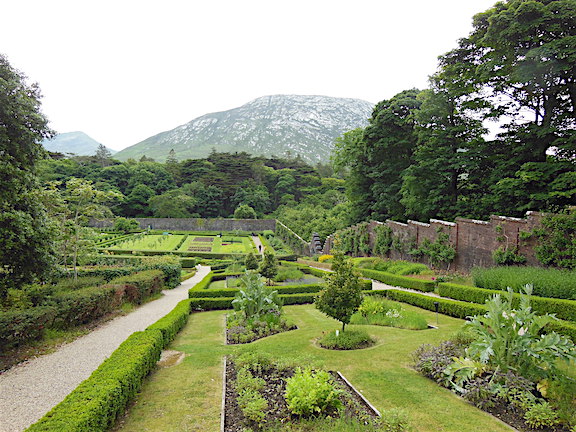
x: 425, y: 154
x: 216, y: 186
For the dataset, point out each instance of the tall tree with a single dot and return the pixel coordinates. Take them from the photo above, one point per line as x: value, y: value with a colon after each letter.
x: 26, y: 235
x: 103, y: 156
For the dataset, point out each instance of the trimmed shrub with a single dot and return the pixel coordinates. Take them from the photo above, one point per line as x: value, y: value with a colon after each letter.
x: 141, y: 285
x: 453, y: 308
x: 547, y: 282
x: 70, y: 284
x: 25, y: 325
x: 84, y: 305
x: 563, y: 309
x: 97, y: 402
x: 170, y: 267
x: 396, y: 280
x: 173, y: 322
x: 214, y: 303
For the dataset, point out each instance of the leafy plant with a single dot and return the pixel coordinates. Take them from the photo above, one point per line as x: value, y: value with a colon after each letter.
x: 308, y: 393
x: 269, y: 266
x: 541, y: 415
x: 557, y: 240
x: 342, y: 295
x: 251, y: 262
x: 348, y: 340
x: 509, y: 339
x: 254, y: 299
x: 507, y: 256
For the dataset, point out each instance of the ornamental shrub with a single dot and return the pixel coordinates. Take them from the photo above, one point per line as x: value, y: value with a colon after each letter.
x: 342, y: 295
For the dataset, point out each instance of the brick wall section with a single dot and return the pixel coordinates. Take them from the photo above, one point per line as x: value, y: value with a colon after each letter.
x: 191, y: 224
x: 473, y: 240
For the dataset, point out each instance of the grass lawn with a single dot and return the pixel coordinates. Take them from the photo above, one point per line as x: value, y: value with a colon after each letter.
x: 151, y: 242
x: 187, y: 397
x: 240, y: 245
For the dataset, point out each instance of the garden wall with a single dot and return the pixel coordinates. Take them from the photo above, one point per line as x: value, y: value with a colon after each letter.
x: 474, y: 240
x: 197, y: 224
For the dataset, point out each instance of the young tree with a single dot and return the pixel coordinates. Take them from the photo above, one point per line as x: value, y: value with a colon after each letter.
x: 103, y: 156
x: 269, y: 266
x: 342, y: 295
x: 26, y: 234
x: 251, y: 262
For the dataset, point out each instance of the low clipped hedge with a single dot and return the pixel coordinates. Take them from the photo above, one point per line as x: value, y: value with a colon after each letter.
x: 97, y: 402
x: 139, y: 286
x: 563, y: 309
x: 19, y: 326
x: 396, y: 280
x: 460, y: 309
x: 173, y: 322
x: 452, y: 308
x: 231, y: 292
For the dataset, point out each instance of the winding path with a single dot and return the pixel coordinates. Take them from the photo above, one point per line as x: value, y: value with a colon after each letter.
x: 30, y: 389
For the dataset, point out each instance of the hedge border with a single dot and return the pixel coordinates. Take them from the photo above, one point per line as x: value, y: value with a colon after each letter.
x: 563, y: 309
x: 397, y: 280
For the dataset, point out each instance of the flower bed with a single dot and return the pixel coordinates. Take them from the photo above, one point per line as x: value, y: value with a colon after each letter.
x: 256, y: 394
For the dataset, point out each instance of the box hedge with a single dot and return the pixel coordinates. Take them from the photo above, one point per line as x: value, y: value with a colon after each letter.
x: 19, y: 326
x: 563, y: 309
x: 141, y: 285
x: 396, y: 280
x: 84, y: 305
x: 453, y: 308
x: 173, y: 322
x: 97, y: 402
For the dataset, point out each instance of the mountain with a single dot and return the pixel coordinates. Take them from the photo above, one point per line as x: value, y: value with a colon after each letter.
x: 73, y: 142
x: 270, y: 125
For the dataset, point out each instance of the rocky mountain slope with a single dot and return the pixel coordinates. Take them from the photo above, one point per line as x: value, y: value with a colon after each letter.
x: 271, y: 125
x: 77, y: 143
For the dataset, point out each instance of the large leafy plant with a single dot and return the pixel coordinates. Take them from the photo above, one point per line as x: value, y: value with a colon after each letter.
x: 254, y: 299
x: 509, y: 339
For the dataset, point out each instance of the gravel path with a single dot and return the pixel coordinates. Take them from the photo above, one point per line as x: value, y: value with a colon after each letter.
x: 29, y: 390
x: 258, y: 243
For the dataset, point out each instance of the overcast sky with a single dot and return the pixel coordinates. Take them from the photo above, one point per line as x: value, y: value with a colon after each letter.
x: 124, y: 70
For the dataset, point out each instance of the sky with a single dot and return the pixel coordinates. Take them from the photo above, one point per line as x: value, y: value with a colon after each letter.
x: 123, y: 70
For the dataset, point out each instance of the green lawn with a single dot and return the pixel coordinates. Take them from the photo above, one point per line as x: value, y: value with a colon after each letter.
x: 187, y: 397
x: 151, y: 242
x: 241, y: 245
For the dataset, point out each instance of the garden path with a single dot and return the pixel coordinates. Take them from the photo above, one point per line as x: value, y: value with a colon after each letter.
x: 29, y: 390
x: 258, y: 243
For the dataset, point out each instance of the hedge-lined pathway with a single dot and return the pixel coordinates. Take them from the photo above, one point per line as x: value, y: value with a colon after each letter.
x: 31, y: 389
x: 259, y: 245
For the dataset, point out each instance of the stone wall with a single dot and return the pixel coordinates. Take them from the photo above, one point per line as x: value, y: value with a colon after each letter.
x: 474, y: 240
x: 197, y: 224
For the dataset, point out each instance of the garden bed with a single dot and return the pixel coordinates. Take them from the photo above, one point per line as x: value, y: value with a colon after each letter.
x: 233, y: 420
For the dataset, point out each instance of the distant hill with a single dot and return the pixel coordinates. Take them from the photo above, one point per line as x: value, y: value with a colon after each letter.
x: 271, y: 125
x: 73, y: 142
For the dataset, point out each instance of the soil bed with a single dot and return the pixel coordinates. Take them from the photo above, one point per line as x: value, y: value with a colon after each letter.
x: 511, y: 416
x: 275, y: 385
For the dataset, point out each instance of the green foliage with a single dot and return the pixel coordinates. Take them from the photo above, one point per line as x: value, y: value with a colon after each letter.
x: 141, y: 285
x: 20, y: 326
x: 311, y: 393
x: 125, y: 225
x: 541, y: 415
x: 254, y: 299
x: 285, y: 274
x: 396, y: 280
x: 503, y: 256
x: 440, y: 251
x: 383, y: 240
x: 508, y: 339
x: 250, y: 401
x: 346, y: 340
x: 251, y: 262
x: 546, y: 282
x: 375, y: 310
x: 557, y: 241
x: 453, y: 308
x: 84, y: 305
x: 97, y: 402
x: 269, y: 266
x: 342, y: 295
x: 563, y: 309
x: 244, y: 211
x: 170, y: 324
x: 26, y: 232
